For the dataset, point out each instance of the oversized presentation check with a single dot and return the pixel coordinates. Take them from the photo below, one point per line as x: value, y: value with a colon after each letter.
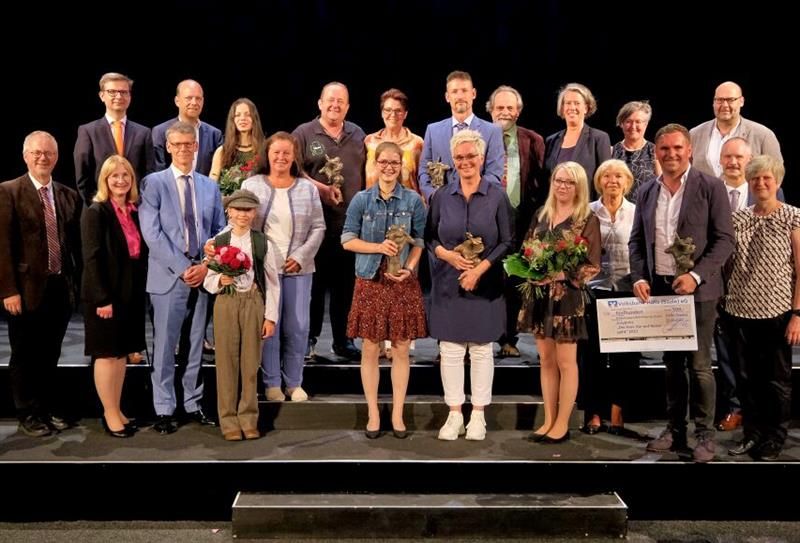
x: 665, y: 323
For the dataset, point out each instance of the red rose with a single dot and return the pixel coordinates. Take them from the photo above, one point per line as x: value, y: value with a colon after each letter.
x: 561, y: 245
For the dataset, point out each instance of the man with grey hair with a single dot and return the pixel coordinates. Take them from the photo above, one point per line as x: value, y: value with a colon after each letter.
x: 40, y: 259
x: 708, y: 138
x: 525, y: 185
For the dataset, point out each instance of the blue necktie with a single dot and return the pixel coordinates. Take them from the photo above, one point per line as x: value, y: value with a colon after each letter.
x: 461, y: 126
x: 188, y: 216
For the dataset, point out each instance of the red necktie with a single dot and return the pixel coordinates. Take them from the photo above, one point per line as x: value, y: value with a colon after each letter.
x: 506, y: 139
x: 53, y: 246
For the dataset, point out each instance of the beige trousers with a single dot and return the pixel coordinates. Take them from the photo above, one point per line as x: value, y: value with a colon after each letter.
x: 238, y: 319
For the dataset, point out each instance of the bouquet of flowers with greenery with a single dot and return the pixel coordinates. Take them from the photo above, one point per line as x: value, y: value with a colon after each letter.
x: 230, y: 179
x: 546, y: 258
x: 231, y: 261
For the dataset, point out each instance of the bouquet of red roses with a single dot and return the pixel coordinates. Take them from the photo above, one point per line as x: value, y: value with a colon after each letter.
x: 231, y: 261
x: 230, y: 180
x: 545, y: 258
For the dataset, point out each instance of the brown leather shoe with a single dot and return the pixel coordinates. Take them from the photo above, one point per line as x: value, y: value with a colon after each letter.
x: 731, y: 422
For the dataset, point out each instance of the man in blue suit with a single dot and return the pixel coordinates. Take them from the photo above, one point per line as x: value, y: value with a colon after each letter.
x: 460, y: 94
x: 180, y: 209
x: 113, y: 134
x: 687, y: 203
x: 189, y: 99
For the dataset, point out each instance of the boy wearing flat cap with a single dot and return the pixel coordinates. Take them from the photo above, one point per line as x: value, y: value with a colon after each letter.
x: 243, y: 318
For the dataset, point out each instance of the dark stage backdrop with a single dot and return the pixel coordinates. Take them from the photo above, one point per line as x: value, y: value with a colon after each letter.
x: 280, y: 53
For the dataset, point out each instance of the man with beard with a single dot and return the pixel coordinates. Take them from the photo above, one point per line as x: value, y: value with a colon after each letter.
x: 525, y: 186
x: 460, y: 94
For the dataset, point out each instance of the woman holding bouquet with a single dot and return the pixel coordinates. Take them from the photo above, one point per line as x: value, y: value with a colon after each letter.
x: 467, y: 304
x: 557, y: 319
x: 114, y: 271
x: 235, y: 159
x: 387, y: 305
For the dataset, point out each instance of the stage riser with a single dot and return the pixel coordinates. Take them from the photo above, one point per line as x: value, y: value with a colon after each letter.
x: 76, y: 389
x: 378, y: 516
x: 206, y: 490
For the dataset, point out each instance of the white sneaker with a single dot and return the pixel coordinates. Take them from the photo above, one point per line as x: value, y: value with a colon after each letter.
x: 453, y: 427
x: 275, y: 394
x: 476, y: 429
x: 297, y: 394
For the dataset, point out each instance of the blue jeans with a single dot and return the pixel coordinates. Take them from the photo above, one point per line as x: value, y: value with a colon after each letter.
x: 282, y: 355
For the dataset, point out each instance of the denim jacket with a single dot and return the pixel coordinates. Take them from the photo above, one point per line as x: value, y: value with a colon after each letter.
x: 369, y: 217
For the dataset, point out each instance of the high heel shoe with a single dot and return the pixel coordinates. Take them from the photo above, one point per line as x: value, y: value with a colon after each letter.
x: 132, y: 425
x: 372, y: 434
x: 547, y: 440
x: 125, y: 432
x: 399, y: 434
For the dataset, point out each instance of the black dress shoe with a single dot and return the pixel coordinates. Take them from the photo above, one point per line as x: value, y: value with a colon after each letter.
x: 616, y: 430
x: 347, y: 350
x: 547, y: 440
x: 768, y: 452
x: 535, y: 438
x: 591, y: 429
x: 33, y: 427
x: 200, y: 418
x: 399, y: 434
x: 372, y: 434
x: 56, y: 423
x: 165, y: 424
x: 744, y: 447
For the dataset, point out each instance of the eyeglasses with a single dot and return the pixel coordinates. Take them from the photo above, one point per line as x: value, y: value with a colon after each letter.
x: 40, y: 154
x: 389, y: 111
x: 182, y: 144
x: 729, y: 101
x: 392, y: 163
x: 113, y: 93
x: 631, y: 122
x: 462, y: 158
x: 564, y: 182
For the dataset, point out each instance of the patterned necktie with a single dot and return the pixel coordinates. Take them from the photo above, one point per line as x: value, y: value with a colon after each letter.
x: 506, y: 141
x: 734, y: 195
x: 188, y: 216
x: 116, y: 128
x: 53, y: 246
x: 461, y: 126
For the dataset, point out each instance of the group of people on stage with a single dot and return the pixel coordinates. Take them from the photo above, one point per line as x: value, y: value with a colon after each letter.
x: 368, y: 218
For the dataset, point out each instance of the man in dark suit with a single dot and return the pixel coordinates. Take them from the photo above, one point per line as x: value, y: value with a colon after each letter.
x: 525, y: 186
x: 683, y: 202
x: 189, y: 98
x: 112, y: 134
x: 39, y: 266
x: 460, y: 94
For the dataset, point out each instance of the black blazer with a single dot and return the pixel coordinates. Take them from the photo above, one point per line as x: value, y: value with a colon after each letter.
x: 95, y: 144
x: 591, y: 150
x: 23, y: 240
x: 108, y: 276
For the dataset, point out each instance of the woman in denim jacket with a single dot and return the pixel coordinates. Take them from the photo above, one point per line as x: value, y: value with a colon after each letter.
x: 385, y: 306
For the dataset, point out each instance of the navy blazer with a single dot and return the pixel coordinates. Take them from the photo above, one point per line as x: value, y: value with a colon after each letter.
x: 209, y: 139
x: 591, y: 150
x: 705, y: 215
x: 436, y: 146
x: 95, y: 144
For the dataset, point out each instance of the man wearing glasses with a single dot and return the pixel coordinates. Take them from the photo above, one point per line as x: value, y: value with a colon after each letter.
x: 112, y: 134
x: 709, y: 137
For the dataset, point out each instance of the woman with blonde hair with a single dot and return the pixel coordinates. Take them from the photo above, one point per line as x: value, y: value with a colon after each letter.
x: 558, y: 320
x: 113, y: 287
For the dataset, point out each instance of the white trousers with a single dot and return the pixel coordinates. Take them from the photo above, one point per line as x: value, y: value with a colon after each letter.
x: 481, y: 372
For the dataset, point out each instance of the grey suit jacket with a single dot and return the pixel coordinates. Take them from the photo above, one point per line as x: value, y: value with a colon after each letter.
x: 760, y: 138
x: 705, y: 215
